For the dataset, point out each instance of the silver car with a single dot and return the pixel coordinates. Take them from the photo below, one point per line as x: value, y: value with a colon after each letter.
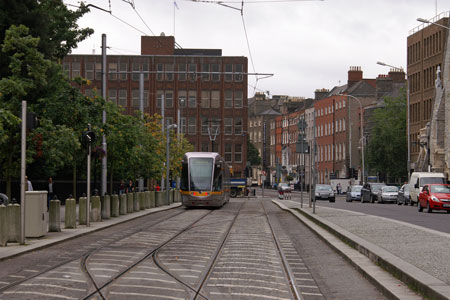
x: 324, y: 191
x: 354, y: 193
x: 388, y: 194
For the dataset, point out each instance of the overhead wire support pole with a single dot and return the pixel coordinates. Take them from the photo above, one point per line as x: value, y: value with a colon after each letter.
x: 104, y: 158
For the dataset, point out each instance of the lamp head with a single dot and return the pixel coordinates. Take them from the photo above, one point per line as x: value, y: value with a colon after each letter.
x: 423, y: 20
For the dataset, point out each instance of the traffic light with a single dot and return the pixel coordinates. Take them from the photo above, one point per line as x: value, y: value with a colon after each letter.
x: 355, y: 173
x: 88, y: 137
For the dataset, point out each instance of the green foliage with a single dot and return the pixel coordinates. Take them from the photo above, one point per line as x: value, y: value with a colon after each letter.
x: 387, y: 147
x: 252, y: 154
x: 289, y: 178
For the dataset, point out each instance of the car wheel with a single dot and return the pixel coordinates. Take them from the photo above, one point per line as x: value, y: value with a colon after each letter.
x: 429, y: 210
x: 332, y: 199
x: 448, y: 211
x: 381, y: 200
x: 411, y: 202
x: 419, y: 207
x: 372, y: 200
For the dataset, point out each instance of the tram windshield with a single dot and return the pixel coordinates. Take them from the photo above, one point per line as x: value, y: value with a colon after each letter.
x: 200, y: 170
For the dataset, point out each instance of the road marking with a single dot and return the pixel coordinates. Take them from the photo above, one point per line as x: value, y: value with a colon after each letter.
x: 61, y: 279
x: 4, y: 282
x: 54, y: 286
x: 247, y: 273
x: 246, y: 286
x: 186, y: 270
x: 69, y: 273
x: 311, y: 294
x: 16, y: 276
x: 255, y: 296
x: 146, y: 295
x: 105, y: 264
x: 31, y: 271
x: 146, y: 273
x: 40, y: 294
x: 110, y: 259
x: 250, y: 268
x: 308, y: 286
x: 150, y: 279
x: 124, y: 252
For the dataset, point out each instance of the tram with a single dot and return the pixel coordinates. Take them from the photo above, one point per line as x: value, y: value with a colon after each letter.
x: 205, y: 180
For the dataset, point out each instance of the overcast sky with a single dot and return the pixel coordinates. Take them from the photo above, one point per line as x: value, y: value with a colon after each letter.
x: 307, y: 45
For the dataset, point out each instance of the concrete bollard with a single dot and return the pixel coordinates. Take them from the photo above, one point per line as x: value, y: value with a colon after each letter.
x: 55, y: 215
x: 82, y: 206
x: 152, y: 199
x: 123, y: 203
x: 70, y: 216
x: 3, y: 226
x: 136, y: 206
x: 130, y: 203
x: 106, y: 207
x: 159, y: 198
x: 141, y: 197
x: 171, y: 196
x: 177, y: 196
x: 13, y: 221
x: 96, y: 209
x: 147, y: 199
x: 115, y: 205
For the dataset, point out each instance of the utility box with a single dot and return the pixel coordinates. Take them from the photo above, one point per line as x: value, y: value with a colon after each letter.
x: 36, y: 216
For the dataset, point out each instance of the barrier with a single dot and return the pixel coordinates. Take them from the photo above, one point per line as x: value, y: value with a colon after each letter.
x: 106, y: 207
x: 55, y: 215
x: 70, y: 215
x: 115, y: 205
x: 96, y: 207
x: 152, y: 199
x: 130, y: 203
x: 141, y: 197
x: 147, y: 199
x: 82, y: 204
x: 13, y: 220
x: 123, y: 203
x: 136, y: 206
x: 284, y: 195
x: 3, y: 226
x: 160, y: 198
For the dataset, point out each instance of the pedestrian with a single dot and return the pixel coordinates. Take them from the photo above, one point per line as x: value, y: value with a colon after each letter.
x: 50, y: 191
x: 338, y: 188
x: 28, y: 186
x: 130, y: 186
x: 158, y: 188
x: 121, y: 187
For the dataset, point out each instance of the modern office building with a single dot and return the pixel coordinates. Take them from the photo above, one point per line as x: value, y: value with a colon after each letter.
x: 209, y: 89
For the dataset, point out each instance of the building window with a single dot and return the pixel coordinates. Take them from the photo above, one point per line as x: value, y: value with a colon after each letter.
x: 192, y: 101
x: 215, y: 72
x: 205, y: 72
x: 181, y: 72
x: 122, y: 98
x: 192, y: 72
x: 159, y: 72
x: 238, y: 125
x: 192, y: 129
x: 343, y: 125
x: 228, y: 72
x: 66, y: 68
x: 228, y: 99
x: 237, y: 152
x: 183, y: 125
x: 112, y: 71
x: 205, y: 125
x: 215, y: 99
x: 75, y: 69
x: 205, y: 147
x: 137, y: 68
x: 169, y: 99
x: 112, y: 95
x: 228, y: 153
x: 205, y: 102
x: 123, y: 71
x: 168, y: 72
x: 98, y: 71
x: 238, y: 99
x: 228, y: 126
x: 182, y: 99
x: 135, y: 99
x: 89, y: 70
x: 159, y: 95
x: 239, y: 69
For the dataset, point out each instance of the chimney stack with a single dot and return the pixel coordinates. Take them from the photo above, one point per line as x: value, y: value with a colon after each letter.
x: 320, y: 94
x: 355, y: 74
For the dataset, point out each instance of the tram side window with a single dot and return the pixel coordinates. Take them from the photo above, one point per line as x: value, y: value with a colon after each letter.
x: 217, y: 185
x: 184, y: 176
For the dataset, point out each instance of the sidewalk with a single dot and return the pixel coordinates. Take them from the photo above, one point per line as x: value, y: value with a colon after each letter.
x: 419, y: 257
x: 32, y: 244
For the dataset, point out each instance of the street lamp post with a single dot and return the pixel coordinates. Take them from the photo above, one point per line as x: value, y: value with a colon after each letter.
x: 169, y: 127
x: 362, y: 135
x: 408, y: 162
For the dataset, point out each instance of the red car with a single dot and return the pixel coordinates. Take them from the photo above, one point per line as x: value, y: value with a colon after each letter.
x: 434, y: 197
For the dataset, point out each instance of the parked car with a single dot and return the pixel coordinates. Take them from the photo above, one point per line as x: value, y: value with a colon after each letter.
x: 388, y: 193
x: 371, y: 191
x: 403, y: 195
x: 354, y: 193
x: 324, y: 191
x: 284, y: 187
x: 434, y: 197
x: 419, y: 179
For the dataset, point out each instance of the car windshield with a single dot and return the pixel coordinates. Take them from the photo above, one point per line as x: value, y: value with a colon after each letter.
x: 377, y: 187
x: 356, y: 188
x: 440, y: 189
x: 389, y: 189
x: 324, y: 188
x: 283, y: 185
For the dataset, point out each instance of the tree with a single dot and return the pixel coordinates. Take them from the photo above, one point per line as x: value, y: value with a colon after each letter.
x: 252, y: 154
x: 387, y: 147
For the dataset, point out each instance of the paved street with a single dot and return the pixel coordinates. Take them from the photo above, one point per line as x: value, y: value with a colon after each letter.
x: 247, y: 253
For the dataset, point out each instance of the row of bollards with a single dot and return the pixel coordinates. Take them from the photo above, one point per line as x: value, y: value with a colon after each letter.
x: 102, y: 208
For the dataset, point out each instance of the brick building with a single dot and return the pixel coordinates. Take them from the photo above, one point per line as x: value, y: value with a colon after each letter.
x: 209, y: 89
x: 425, y: 53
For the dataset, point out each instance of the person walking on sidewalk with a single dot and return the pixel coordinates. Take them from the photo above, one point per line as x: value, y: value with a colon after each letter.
x: 50, y: 191
x: 29, y: 186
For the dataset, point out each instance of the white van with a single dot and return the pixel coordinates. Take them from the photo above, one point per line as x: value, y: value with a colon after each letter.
x: 419, y: 179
